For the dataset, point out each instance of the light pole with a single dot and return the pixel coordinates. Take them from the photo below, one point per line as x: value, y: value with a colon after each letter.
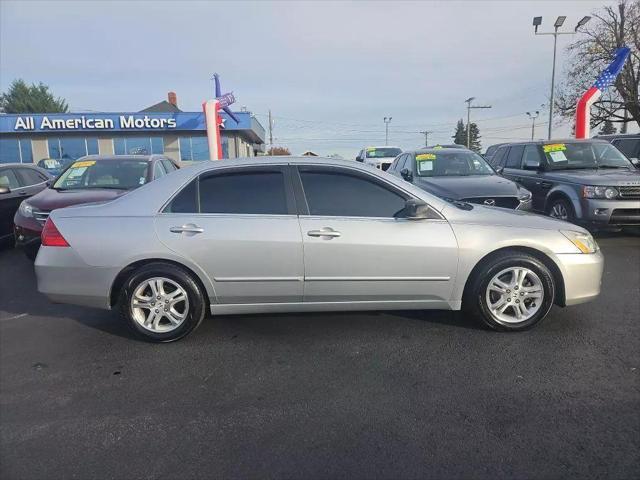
x: 469, y: 107
x: 533, y: 117
x: 537, y: 21
x: 387, y: 121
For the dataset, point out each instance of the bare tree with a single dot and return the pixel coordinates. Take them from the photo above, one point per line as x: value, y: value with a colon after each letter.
x: 611, y: 27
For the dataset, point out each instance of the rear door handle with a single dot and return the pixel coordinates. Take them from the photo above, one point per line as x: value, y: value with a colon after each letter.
x: 326, y: 232
x: 188, y: 228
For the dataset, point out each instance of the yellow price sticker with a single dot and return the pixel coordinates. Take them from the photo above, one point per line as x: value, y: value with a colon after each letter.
x: 426, y: 156
x: 86, y: 163
x: 554, y: 147
x: 371, y: 149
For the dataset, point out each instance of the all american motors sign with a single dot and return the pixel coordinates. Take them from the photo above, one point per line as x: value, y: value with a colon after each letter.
x: 86, y: 122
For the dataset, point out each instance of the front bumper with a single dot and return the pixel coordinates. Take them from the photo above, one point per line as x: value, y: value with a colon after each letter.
x: 614, y: 213
x: 582, y: 274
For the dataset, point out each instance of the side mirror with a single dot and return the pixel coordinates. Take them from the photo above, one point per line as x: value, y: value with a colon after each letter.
x: 407, y: 174
x: 4, y: 190
x: 416, y: 210
x: 529, y: 164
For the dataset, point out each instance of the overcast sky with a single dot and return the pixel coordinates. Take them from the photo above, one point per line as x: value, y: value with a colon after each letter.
x: 329, y: 71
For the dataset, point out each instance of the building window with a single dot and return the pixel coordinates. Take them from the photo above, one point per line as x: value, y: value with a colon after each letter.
x: 138, y: 145
x: 72, y: 147
x: 13, y: 150
x: 193, y: 149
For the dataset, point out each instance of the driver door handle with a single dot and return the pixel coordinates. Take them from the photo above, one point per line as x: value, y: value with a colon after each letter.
x: 326, y: 233
x: 189, y: 228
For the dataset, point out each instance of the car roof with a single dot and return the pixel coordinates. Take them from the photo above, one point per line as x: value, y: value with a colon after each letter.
x: 438, y: 149
x: 18, y: 164
x: 556, y: 140
x: 147, y: 158
x: 383, y: 146
x: 615, y: 136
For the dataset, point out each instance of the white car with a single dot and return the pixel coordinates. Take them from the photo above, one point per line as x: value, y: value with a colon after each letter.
x: 379, y: 157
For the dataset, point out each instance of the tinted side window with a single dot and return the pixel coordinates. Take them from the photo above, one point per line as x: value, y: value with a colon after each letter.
x: 498, y: 159
x: 186, y: 201
x: 255, y: 192
x: 168, y: 165
x: 158, y: 170
x: 31, y: 177
x: 334, y: 193
x: 629, y: 146
x: 9, y: 179
x: 514, y: 159
x: 532, y: 155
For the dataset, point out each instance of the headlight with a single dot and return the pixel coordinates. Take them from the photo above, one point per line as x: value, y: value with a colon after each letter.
x: 589, y: 191
x: 583, y: 241
x: 524, y: 195
x: 26, y: 210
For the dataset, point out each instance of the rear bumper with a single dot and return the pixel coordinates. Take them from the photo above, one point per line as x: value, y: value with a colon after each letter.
x: 582, y: 274
x: 65, y: 278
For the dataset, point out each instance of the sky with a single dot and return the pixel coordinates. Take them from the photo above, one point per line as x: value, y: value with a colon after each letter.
x: 329, y: 71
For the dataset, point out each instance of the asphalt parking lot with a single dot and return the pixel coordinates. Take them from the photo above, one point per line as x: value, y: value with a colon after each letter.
x: 357, y: 395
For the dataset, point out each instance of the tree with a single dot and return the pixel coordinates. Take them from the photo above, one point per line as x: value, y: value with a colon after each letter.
x: 611, y: 27
x: 607, y: 128
x: 23, y: 98
x: 278, y: 151
x: 460, y: 134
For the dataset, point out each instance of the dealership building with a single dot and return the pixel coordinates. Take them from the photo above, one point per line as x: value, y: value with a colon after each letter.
x: 161, y: 128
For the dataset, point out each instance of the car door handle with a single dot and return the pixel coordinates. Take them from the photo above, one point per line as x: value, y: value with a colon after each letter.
x: 544, y: 184
x: 23, y: 194
x: 327, y: 232
x: 189, y: 228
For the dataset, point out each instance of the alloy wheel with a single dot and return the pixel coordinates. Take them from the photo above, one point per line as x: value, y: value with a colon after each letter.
x: 559, y: 211
x: 159, y: 305
x: 514, y: 295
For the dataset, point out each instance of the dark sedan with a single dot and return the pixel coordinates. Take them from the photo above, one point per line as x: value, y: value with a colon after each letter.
x: 459, y: 174
x: 90, y: 179
x: 17, y: 182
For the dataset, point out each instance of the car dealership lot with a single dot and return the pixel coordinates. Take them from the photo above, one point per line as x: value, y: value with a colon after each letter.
x: 376, y: 395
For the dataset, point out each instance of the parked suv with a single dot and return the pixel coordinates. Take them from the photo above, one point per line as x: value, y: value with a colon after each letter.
x: 459, y: 174
x: 379, y: 157
x: 90, y: 179
x: 629, y: 144
x: 587, y: 182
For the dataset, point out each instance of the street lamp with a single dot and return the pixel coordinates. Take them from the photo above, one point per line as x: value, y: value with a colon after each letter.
x: 537, y: 21
x: 387, y: 121
x: 533, y: 117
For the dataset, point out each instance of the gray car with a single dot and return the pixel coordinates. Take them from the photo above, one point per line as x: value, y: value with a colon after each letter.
x: 298, y: 234
x: 588, y: 182
x: 459, y: 174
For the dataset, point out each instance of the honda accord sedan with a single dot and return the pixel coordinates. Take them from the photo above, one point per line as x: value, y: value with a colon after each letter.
x: 294, y: 234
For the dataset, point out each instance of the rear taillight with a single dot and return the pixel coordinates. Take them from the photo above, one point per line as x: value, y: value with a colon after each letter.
x: 51, y: 236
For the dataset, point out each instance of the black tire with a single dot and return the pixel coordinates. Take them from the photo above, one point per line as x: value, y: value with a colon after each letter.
x: 564, y: 204
x: 475, y: 301
x: 197, y: 305
x: 31, y: 252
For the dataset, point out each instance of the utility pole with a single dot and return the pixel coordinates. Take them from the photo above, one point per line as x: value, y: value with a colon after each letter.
x: 537, y: 21
x: 270, y: 134
x: 426, y: 137
x: 387, y: 121
x: 533, y: 117
x: 469, y: 107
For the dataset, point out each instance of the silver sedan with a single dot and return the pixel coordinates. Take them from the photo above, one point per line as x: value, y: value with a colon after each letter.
x: 289, y: 234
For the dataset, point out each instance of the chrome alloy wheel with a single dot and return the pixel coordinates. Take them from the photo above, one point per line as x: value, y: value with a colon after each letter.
x: 159, y: 305
x: 559, y: 211
x: 514, y: 295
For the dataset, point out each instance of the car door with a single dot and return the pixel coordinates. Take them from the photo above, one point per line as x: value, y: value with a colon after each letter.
x: 355, y: 250
x: 32, y: 180
x: 513, y: 163
x: 531, y: 175
x: 10, y: 201
x: 240, y: 226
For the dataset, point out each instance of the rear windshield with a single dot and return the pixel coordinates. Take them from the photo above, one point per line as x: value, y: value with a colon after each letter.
x: 373, y: 152
x: 584, y: 155
x: 124, y: 174
x: 451, y: 164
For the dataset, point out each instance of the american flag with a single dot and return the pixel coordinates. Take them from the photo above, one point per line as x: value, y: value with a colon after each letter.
x: 604, y: 81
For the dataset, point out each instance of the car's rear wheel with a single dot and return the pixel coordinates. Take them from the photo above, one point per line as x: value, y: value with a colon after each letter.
x: 513, y: 292
x: 162, y: 302
x: 562, y: 210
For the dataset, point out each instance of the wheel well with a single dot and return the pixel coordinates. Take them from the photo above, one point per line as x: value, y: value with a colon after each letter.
x: 555, y: 196
x: 550, y: 264
x: 126, y: 272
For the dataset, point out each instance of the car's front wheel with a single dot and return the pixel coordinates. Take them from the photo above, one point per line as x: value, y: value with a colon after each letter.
x: 162, y: 302
x: 562, y: 210
x: 513, y: 292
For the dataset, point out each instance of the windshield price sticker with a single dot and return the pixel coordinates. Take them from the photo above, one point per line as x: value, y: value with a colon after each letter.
x: 425, y: 156
x: 554, y: 147
x: 86, y: 163
x: 370, y: 150
x: 558, y: 156
x: 425, y: 165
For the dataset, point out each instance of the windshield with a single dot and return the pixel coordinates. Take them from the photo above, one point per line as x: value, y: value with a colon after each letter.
x: 373, y: 152
x: 451, y: 164
x: 117, y: 174
x: 569, y: 156
x: 50, y: 164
